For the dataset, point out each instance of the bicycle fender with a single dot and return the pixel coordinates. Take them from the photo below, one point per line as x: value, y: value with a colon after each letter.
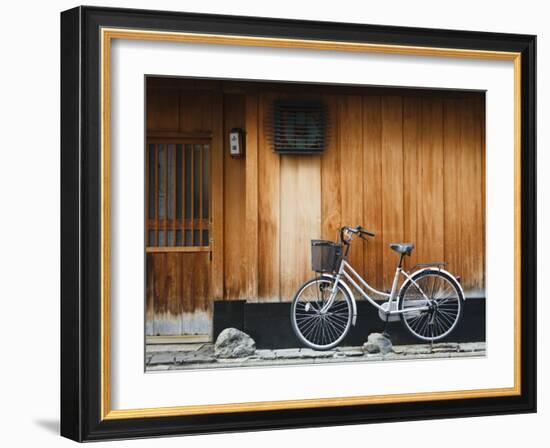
x: 435, y: 269
x: 352, y: 297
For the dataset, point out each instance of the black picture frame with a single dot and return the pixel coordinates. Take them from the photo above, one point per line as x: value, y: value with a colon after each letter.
x: 81, y: 227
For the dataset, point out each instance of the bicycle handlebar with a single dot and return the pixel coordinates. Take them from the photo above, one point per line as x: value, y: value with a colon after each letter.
x: 358, y: 230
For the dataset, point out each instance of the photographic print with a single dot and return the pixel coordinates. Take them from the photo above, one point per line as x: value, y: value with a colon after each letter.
x: 254, y: 201
x: 304, y: 223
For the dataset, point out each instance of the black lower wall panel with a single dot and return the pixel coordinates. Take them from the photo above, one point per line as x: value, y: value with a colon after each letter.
x: 228, y: 313
x: 269, y: 324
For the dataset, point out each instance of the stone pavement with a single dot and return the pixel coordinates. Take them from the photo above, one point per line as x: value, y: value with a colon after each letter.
x: 201, y: 355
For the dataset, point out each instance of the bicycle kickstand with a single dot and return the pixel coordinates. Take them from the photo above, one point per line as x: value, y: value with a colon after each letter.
x: 385, y: 332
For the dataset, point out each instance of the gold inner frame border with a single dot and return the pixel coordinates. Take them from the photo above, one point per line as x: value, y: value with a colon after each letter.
x: 107, y: 35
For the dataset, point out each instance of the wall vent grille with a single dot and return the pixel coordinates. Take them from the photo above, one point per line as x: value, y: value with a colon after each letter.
x: 298, y: 127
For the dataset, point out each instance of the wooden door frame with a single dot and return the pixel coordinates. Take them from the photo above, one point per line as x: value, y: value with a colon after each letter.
x: 216, y: 201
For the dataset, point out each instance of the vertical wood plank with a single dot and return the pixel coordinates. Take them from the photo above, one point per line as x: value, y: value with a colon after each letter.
x: 165, y: 211
x: 482, y: 123
x: 464, y: 193
x: 196, y: 315
x: 197, y: 111
x: 251, y: 198
x: 452, y: 184
x: 430, y: 159
x: 183, y: 226
x: 268, y: 210
x: 178, y: 288
x: 471, y: 179
x: 162, y: 109
x: 187, y: 282
x: 192, y: 196
x: 216, y: 246
x: 234, y: 192
x: 157, y: 170
x: 412, y: 113
x: 201, y: 161
x: 173, y: 186
x: 149, y: 296
x: 160, y: 292
x: 201, y: 275
x: 392, y: 173
x: 373, y: 189
x: 173, y: 294
x: 300, y: 219
x: 167, y: 290
x: 147, y: 186
x: 350, y: 138
x: 331, y: 197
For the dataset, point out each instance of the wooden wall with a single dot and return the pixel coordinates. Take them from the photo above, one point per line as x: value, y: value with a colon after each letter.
x: 405, y: 164
x: 409, y: 168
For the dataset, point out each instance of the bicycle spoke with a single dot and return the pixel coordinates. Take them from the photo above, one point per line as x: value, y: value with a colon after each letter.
x: 425, y: 325
x: 447, y: 318
x: 315, y: 329
x: 305, y: 319
x: 339, y: 325
x: 444, y: 326
x: 307, y: 326
x: 445, y: 300
x: 343, y: 314
x: 415, y: 319
x: 311, y: 329
x: 433, y: 287
x: 331, y: 331
x: 441, y: 326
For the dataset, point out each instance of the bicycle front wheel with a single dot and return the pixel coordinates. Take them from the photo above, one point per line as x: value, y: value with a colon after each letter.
x: 316, y: 327
x: 446, y: 304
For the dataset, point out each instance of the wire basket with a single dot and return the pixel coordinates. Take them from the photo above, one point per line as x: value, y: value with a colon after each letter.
x: 325, y: 256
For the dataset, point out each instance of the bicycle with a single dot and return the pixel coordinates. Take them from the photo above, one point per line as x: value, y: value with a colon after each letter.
x: 429, y: 302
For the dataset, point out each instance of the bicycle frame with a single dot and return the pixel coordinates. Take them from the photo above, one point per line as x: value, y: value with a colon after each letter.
x: 346, y: 271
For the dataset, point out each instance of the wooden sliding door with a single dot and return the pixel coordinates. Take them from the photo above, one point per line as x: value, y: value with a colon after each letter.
x: 178, y: 235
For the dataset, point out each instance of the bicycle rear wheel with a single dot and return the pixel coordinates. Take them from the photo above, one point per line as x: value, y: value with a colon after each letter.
x: 317, y: 329
x: 447, y: 303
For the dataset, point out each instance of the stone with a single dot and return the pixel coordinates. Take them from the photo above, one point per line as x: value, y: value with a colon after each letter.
x: 421, y: 349
x: 162, y: 358
x: 309, y: 353
x: 266, y: 354
x: 160, y: 348
x: 288, y: 353
x: 377, y: 343
x: 159, y: 368
x: 193, y: 358
x: 471, y: 346
x: 444, y: 348
x: 233, y: 343
x: 350, y: 353
x: 233, y: 361
x: 206, y: 349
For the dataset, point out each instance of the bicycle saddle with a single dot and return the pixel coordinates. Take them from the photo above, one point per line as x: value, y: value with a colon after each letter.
x: 402, y: 248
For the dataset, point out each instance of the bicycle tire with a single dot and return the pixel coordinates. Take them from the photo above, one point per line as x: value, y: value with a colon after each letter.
x: 439, y: 322
x: 314, y: 331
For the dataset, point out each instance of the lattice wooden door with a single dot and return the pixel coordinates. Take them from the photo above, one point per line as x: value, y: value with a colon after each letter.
x: 178, y: 235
